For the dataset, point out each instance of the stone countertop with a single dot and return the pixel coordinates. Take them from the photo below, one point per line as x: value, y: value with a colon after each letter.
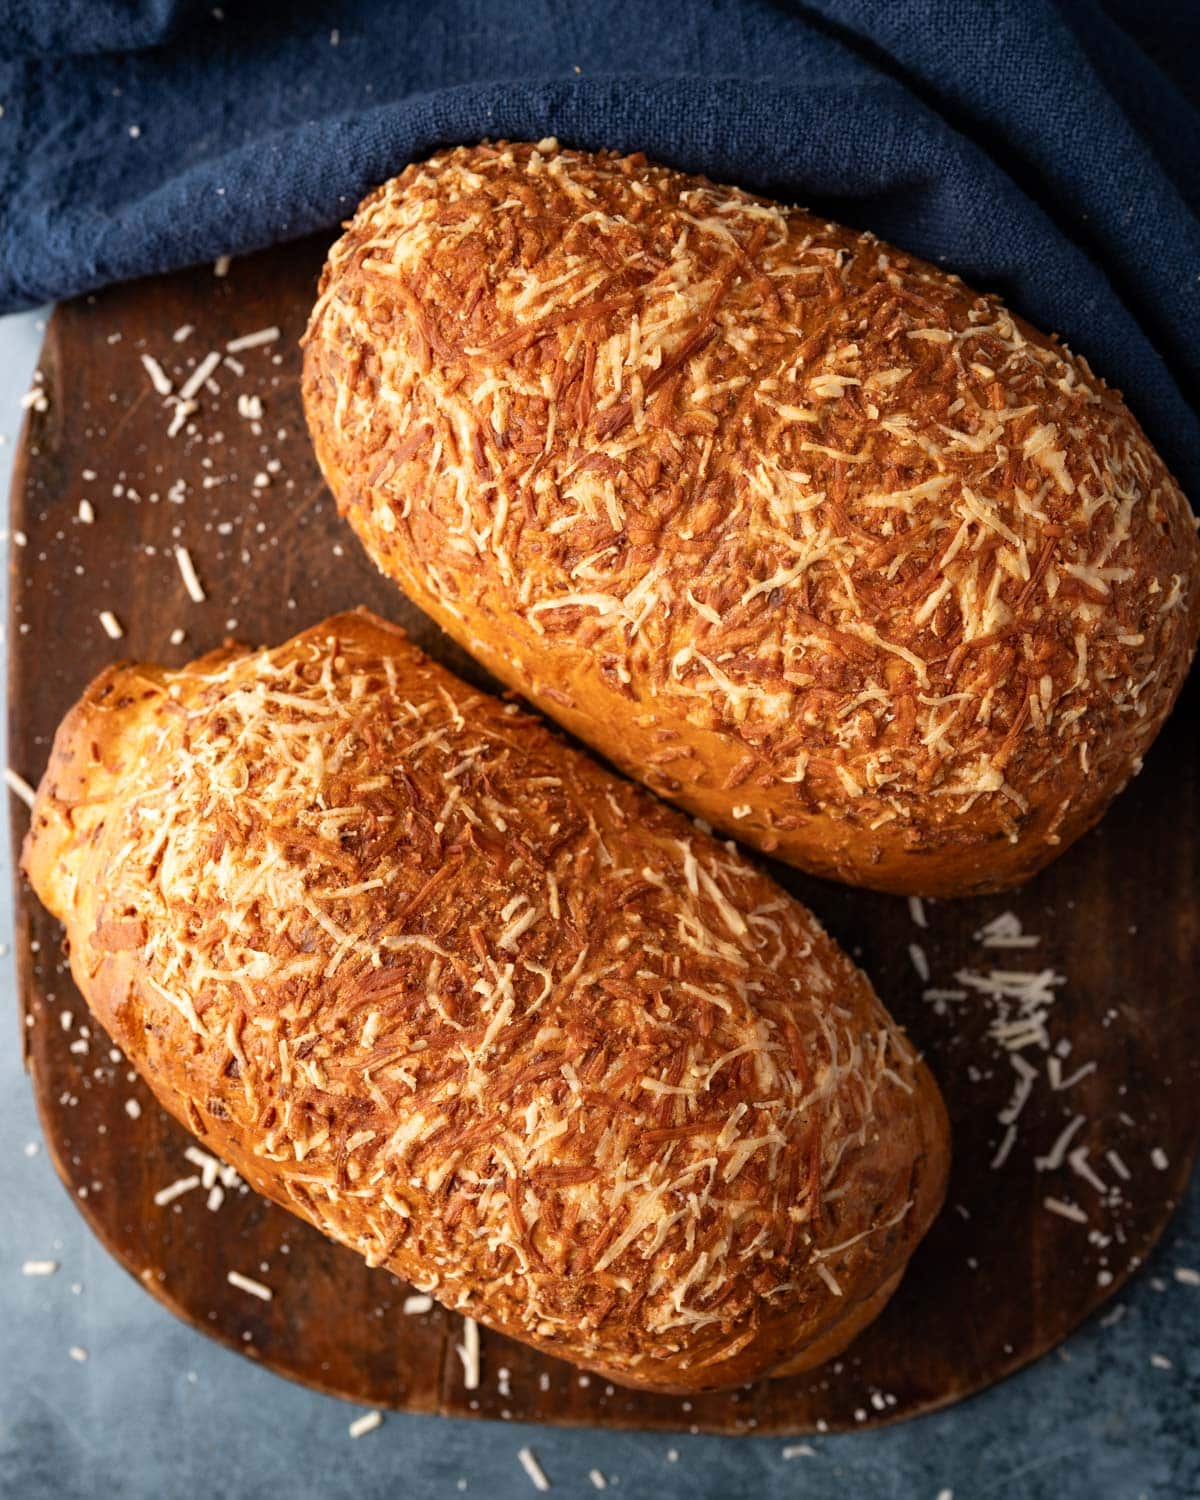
x: 104, y: 1393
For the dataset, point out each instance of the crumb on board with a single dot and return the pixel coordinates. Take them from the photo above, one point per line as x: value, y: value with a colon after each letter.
x: 252, y: 340
x: 248, y: 1284
x: 175, y: 1190
x: 468, y: 1353
x: 187, y: 571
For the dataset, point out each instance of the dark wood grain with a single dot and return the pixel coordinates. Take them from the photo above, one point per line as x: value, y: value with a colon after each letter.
x: 999, y: 1281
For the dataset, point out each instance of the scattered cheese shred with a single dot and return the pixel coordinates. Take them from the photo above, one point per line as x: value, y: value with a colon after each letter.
x: 537, y: 1475
x: 159, y: 378
x: 18, y: 786
x: 1077, y: 1160
x: 1055, y: 1157
x: 112, y: 626
x: 39, y: 1268
x: 368, y: 1422
x: 248, y: 1284
x: 252, y: 340
x: 183, y: 410
x: 1004, y: 1148
x: 1005, y: 931
x: 199, y: 375
x: 188, y: 573
x: 468, y: 1352
x: 176, y: 1190
x: 1065, y: 1210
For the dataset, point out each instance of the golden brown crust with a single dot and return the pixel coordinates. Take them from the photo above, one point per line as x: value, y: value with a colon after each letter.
x: 793, y: 527
x: 438, y: 983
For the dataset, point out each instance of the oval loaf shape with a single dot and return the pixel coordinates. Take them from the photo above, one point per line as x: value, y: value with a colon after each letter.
x: 470, y: 1004
x: 793, y: 527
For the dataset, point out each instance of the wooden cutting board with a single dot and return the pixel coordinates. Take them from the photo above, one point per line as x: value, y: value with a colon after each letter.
x: 1110, y: 980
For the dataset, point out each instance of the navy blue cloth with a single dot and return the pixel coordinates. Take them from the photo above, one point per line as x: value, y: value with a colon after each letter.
x: 1045, y: 149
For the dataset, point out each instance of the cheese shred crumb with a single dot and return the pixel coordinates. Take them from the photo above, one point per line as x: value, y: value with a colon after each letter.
x: 468, y: 1352
x: 188, y: 573
x: 159, y: 378
x: 175, y: 1190
x: 18, y: 786
x: 199, y: 375
x: 252, y: 340
x: 248, y: 1284
x: 537, y: 1475
x: 1065, y: 1210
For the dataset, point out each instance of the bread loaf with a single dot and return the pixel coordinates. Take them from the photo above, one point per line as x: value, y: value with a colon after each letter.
x: 467, y: 1002
x: 797, y: 529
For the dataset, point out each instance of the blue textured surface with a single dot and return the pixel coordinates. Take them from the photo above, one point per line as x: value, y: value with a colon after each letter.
x: 1036, y: 146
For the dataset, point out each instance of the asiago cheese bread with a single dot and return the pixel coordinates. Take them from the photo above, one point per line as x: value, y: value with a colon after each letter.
x: 472, y: 1005
x: 797, y: 529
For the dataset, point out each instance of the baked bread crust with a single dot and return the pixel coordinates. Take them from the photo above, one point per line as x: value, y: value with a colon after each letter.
x: 442, y: 986
x: 793, y: 527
